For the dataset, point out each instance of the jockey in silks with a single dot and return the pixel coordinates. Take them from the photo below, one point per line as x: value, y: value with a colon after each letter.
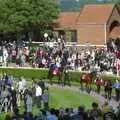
x: 84, y: 79
x: 98, y: 82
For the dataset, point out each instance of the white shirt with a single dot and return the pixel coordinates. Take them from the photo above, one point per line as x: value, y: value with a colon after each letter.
x: 43, y: 61
x: 38, y: 91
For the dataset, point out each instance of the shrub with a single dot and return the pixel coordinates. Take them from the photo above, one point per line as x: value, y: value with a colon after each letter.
x: 43, y: 74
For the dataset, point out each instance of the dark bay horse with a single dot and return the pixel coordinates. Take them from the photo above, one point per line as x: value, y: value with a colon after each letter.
x: 56, y: 72
x: 87, y: 79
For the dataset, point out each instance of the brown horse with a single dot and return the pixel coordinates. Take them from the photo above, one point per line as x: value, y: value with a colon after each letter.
x: 86, y: 80
x: 57, y: 72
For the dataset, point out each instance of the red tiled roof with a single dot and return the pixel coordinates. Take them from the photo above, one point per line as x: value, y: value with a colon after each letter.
x: 68, y: 19
x: 95, y: 14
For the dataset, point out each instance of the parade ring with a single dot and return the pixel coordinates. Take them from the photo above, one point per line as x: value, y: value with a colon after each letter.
x: 60, y: 96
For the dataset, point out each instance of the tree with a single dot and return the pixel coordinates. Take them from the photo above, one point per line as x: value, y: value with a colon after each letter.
x: 27, y: 15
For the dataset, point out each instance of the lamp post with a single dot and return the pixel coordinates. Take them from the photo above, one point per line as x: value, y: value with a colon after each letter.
x: 45, y: 36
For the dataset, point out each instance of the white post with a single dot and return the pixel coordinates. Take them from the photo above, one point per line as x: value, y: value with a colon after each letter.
x: 105, y: 29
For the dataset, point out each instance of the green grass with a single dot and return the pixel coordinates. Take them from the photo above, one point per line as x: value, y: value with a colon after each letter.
x: 60, y: 97
x: 68, y: 98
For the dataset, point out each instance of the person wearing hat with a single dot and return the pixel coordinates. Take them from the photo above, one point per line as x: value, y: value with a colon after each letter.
x: 105, y: 108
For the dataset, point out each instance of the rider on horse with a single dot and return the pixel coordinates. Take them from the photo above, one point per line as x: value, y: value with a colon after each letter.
x: 55, y: 71
x: 84, y: 79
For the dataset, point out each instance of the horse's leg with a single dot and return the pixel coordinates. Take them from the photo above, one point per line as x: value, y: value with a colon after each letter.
x: 50, y: 78
x: 90, y: 83
x: 59, y: 78
x: 86, y: 86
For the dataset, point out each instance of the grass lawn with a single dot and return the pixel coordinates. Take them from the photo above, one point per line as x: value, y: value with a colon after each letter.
x: 62, y: 98
x: 68, y: 98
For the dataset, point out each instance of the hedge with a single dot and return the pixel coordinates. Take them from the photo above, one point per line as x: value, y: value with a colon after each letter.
x: 43, y: 74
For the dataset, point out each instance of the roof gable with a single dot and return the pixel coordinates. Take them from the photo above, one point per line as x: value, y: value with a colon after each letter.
x: 95, y: 14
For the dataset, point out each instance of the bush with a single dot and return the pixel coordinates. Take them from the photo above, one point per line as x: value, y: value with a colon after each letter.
x: 27, y: 73
x: 43, y: 74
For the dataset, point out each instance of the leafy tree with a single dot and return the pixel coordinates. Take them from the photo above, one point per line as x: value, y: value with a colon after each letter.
x: 27, y: 15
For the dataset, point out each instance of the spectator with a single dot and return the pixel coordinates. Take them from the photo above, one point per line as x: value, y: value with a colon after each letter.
x: 52, y: 115
x: 117, y: 112
x: 38, y: 94
x: 82, y: 115
x: 67, y: 115
x: 29, y: 102
x: 110, y: 115
x: 45, y: 98
x: 95, y: 113
x: 105, y: 107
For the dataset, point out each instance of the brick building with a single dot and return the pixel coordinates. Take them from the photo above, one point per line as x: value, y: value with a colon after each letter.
x: 94, y: 24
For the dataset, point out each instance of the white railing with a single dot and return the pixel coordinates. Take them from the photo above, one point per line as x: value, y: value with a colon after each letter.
x: 53, y: 43
x: 67, y: 44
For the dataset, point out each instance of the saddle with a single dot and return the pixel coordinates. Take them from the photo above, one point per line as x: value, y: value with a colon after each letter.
x: 55, y: 71
x: 84, y: 78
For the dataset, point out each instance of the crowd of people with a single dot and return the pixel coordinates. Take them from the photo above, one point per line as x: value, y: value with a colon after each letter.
x: 57, y: 58
x: 15, y: 93
x: 75, y: 58
x: 104, y: 112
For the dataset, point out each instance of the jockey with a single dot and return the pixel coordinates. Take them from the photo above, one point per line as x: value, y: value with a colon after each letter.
x: 55, y: 69
x: 84, y: 80
x: 84, y: 77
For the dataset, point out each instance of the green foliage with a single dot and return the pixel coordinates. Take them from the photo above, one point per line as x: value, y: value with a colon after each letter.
x: 19, y: 15
x: 43, y: 74
x: 27, y: 73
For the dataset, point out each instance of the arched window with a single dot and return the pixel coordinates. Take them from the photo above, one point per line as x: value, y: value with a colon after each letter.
x: 113, y: 25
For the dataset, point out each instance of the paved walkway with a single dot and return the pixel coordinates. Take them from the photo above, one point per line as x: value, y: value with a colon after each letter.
x: 99, y: 97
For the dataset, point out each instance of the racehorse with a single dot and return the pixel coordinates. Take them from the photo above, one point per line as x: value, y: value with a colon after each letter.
x: 55, y: 72
x: 87, y: 79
